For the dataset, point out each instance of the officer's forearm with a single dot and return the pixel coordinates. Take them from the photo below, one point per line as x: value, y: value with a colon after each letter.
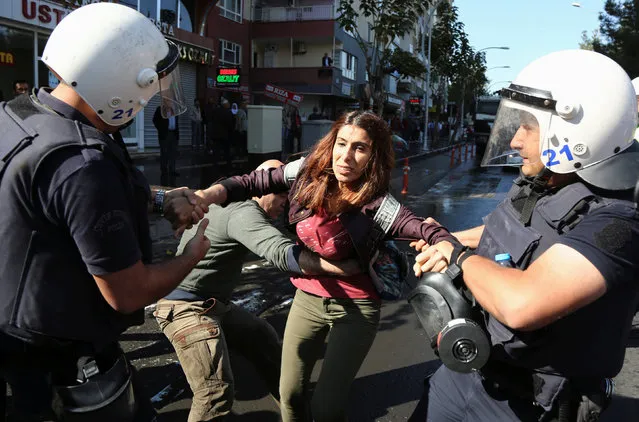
x: 470, y: 237
x: 501, y: 291
x: 140, y: 285
x: 313, y: 264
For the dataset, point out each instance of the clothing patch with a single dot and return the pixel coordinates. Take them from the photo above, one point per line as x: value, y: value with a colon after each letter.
x: 111, y: 222
x: 615, y: 236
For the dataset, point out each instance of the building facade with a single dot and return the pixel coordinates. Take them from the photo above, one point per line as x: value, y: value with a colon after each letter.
x: 290, y: 39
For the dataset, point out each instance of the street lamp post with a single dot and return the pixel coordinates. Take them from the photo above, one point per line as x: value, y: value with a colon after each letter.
x: 493, y: 48
x: 495, y: 83
x: 431, y: 12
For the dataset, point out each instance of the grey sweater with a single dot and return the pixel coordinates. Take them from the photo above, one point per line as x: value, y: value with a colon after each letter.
x: 233, y: 231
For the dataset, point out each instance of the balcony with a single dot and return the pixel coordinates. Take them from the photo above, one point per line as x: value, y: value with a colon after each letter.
x: 294, y: 14
x: 406, y: 85
x: 301, y: 80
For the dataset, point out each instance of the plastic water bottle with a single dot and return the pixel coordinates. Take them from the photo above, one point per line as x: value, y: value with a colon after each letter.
x: 504, y: 260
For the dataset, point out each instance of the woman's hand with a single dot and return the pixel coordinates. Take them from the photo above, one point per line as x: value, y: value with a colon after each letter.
x: 433, y: 258
x: 215, y: 194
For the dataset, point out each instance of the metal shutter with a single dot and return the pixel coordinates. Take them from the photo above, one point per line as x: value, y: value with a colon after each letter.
x: 188, y: 73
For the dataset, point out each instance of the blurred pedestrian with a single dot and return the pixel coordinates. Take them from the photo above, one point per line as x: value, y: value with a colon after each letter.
x: 196, y: 125
x: 168, y: 137
x: 20, y: 87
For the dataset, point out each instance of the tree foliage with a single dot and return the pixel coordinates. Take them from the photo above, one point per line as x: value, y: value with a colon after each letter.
x: 587, y: 41
x: 454, y: 60
x: 388, y: 19
x: 619, y: 34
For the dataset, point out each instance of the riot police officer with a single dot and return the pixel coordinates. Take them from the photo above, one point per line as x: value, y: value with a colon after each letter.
x: 558, y: 321
x: 75, y: 266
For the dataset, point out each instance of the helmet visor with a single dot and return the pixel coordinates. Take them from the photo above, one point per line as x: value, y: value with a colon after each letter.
x: 515, y: 135
x: 172, y: 101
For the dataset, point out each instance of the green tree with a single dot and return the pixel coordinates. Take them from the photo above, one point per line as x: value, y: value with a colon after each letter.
x: 388, y: 19
x: 455, y: 61
x: 619, y: 34
x: 588, y: 41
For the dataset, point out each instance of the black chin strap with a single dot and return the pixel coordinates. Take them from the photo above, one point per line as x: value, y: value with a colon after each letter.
x: 531, y: 190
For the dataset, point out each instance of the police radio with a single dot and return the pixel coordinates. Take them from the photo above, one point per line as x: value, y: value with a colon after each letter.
x: 448, y: 312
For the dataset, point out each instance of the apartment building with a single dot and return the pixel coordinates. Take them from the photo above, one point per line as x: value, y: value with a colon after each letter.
x: 289, y: 39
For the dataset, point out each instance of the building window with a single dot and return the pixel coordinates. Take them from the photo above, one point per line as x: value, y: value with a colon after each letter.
x: 230, y: 53
x: 231, y: 9
x: 349, y: 65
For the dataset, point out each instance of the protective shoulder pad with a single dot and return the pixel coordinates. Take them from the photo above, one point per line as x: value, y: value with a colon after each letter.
x: 387, y: 212
x: 291, y: 170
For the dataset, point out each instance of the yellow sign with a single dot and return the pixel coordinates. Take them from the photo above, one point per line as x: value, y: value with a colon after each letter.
x: 6, y: 58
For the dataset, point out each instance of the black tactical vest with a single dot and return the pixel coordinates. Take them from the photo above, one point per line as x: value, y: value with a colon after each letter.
x: 584, y: 346
x: 47, y: 296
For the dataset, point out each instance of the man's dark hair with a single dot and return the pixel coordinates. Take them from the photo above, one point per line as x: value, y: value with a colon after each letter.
x: 19, y: 81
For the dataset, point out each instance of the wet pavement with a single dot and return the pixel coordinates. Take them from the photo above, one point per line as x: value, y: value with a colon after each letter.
x: 390, y: 382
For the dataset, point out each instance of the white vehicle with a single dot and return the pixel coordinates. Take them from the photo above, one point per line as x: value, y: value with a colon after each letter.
x: 485, y: 111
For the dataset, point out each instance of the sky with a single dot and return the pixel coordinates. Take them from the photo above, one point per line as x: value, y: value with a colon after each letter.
x: 531, y: 28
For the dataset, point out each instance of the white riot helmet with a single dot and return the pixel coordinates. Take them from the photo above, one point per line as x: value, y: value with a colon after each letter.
x: 635, y: 85
x: 116, y: 60
x: 585, y: 109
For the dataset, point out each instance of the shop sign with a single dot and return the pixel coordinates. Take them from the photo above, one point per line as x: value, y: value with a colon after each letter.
x: 283, y: 95
x: 6, y: 59
x: 227, y: 76
x: 43, y: 13
x: 191, y: 53
x: 164, y: 27
x: 395, y: 101
x: 415, y: 100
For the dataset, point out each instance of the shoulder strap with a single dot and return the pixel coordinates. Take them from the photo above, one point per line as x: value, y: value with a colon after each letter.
x: 14, y: 138
x: 291, y: 170
x: 24, y: 119
x: 382, y: 221
x: 387, y: 213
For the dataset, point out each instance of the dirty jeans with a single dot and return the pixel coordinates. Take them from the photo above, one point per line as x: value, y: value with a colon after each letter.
x: 351, y: 326
x: 202, y: 332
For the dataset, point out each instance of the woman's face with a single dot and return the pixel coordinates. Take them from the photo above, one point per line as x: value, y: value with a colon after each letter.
x: 351, y: 152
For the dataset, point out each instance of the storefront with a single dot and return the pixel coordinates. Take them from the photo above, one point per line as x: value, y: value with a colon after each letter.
x: 25, y: 26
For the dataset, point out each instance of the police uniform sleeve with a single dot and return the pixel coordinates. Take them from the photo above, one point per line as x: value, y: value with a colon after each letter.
x: 609, y: 239
x: 88, y: 199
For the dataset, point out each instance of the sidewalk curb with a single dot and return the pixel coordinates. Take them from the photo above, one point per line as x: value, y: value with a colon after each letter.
x: 431, y: 153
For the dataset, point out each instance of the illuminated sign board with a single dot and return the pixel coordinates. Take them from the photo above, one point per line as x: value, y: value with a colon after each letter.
x: 227, y: 76
x: 6, y: 58
x: 415, y: 100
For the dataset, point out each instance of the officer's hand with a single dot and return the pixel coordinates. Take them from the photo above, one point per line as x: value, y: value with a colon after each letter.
x: 433, y: 259
x: 419, y: 245
x: 196, y: 247
x: 183, y: 208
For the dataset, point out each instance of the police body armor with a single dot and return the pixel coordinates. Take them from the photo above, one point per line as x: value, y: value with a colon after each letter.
x: 579, y: 346
x: 47, y: 297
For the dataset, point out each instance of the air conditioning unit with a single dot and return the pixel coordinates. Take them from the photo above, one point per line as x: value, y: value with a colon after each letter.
x: 299, y: 47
